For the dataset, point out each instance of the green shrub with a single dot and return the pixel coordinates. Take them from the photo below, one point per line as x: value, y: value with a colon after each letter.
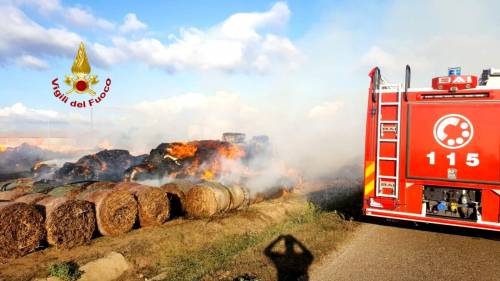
x: 66, y: 271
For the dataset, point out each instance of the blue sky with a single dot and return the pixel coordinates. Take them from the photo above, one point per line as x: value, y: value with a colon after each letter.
x: 162, y: 19
x: 295, y: 70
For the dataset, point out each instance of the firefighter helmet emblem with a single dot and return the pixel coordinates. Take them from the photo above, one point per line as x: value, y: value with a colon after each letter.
x: 81, y: 81
x: 453, y: 131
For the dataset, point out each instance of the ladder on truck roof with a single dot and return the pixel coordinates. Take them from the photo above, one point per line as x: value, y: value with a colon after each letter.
x: 390, y: 182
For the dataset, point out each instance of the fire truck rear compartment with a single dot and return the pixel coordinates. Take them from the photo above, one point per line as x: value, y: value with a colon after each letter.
x: 453, y: 203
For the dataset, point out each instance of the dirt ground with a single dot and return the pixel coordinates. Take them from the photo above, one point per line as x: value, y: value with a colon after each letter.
x: 148, y: 249
x: 402, y: 251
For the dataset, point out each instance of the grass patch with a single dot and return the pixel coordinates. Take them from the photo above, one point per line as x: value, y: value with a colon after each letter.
x: 223, y: 259
x: 66, y: 271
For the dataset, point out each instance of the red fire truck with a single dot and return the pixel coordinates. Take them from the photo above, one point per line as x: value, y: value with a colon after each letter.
x: 433, y: 154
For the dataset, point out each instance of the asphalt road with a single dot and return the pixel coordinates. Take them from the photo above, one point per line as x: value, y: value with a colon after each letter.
x: 394, y: 251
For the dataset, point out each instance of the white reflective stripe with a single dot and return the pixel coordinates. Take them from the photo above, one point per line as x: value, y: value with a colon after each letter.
x: 393, y: 212
x: 435, y: 222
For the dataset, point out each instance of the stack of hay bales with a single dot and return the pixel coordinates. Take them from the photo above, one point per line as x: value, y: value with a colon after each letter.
x: 209, y: 198
x: 68, y: 216
x: 21, y: 229
x: 115, y: 211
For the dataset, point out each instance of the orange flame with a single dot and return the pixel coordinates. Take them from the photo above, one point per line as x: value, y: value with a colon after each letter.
x: 208, y: 175
x: 231, y: 152
x: 206, y: 158
x: 2, y: 148
x: 182, y: 150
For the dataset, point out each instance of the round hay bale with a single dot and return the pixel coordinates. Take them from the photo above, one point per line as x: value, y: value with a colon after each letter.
x: 240, y: 197
x: 11, y: 195
x: 116, y: 210
x: 68, y: 222
x: 31, y: 198
x: 176, y: 194
x: 207, y: 199
x: 21, y: 229
x: 152, y: 203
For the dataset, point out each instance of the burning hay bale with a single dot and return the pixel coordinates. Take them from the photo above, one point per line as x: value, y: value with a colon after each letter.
x: 11, y: 195
x: 176, y: 194
x: 152, y: 203
x: 116, y: 210
x: 195, y: 159
x: 31, y: 198
x: 107, y: 165
x: 210, y: 198
x: 43, y: 170
x: 17, y: 161
x: 68, y: 222
x: 21, y: 229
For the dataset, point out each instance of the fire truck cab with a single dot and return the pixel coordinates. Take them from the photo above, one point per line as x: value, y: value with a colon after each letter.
x: 433, y: 154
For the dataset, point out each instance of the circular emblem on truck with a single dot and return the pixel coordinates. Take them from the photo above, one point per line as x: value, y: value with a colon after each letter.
x: 453, y: 131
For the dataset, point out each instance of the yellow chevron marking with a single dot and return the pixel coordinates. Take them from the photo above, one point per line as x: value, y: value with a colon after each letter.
x: 369, y: 187
x: 370, y: 169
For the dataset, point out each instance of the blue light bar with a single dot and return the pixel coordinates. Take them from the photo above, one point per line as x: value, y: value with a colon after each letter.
x: 454, y: 71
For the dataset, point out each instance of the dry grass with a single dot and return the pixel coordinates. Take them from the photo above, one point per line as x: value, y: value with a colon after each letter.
x: 241, y: 255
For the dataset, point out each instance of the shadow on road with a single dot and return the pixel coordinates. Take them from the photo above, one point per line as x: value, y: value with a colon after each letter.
x: 292, y: 265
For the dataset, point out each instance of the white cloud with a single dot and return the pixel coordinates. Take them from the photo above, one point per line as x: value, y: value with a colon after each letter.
x: 43, y: 6
x: 32, y: 62
x: 83, y: 18
x: 132, y: 23
x: 73, y: 15
x: 245, y: 25
x: 20, y: 110
x: 21, y: 36
x: 244, y: 42
x: 238, y: 44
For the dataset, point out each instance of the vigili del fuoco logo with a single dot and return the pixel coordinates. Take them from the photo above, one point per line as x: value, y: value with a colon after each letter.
x: 81, y: 83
